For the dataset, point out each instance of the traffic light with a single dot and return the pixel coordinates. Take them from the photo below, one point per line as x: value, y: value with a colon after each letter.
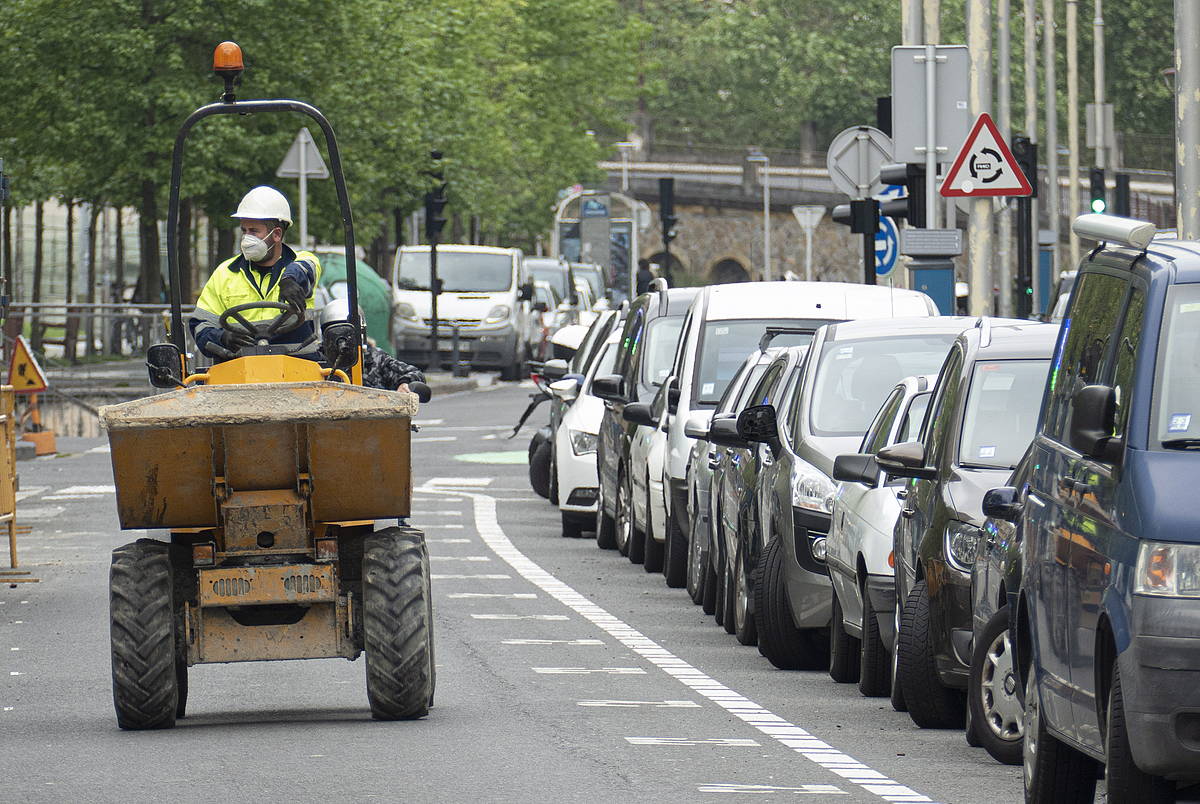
x: 912, y: 206
x: 666, y: 209
x: 861, y: 216
x: 1025, y: 153
x: 435, y: 202
x: 1099, y: 202
x: 1121, y: 196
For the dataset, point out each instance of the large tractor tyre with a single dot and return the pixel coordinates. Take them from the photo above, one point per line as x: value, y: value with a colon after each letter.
x: 398, y: 624
x: 1053, y: 772
x: 142, y: 631
x: 930, y: 704
x: 779, y: 640
x: 695, y: 564
x: 539, y: 469
x: 653, y: 554
x: 897, y: 696
x: 675, y: 564
x: 996, y: 713
x: 843, y: 648
x: 745, y: 627
x: 874, y: 660
x: 1125, y: 781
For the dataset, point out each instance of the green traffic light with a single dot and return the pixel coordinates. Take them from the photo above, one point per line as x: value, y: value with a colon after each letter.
x: 1098, y: 205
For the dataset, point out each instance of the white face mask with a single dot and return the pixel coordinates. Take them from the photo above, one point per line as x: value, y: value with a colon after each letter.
x: 253, y: 249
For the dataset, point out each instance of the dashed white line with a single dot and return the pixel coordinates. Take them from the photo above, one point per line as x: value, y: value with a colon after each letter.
x: 88, y: 490
x: 582, y: 671
x: 510, y: 595
x: 432, y: 439
x: 546, y: 617
x: 439, y: 526
x: 460, y: 558
x: 731, y: 742
x: 465, y: 482
x: 552, y: 642
x: 454, y: 577
x: 767, y: 722
x: 766, y: 789
x: 448, y: 541
x: 638, y: 704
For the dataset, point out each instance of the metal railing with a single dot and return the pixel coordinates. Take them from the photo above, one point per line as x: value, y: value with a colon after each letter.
x: 71, y: 331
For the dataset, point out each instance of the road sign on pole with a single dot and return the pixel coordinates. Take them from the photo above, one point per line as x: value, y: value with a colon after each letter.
x: 887, y: 247
x: 909, y: 98
x: 854, y: 159
x: 985, y: 166
x: 303, y: 161
x: 24, y: 373
x: 808, y: 217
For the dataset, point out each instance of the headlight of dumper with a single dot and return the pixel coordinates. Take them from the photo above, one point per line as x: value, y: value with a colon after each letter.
x: 812, y: 489
x: 1168, y: 570
x: 582, y: 443
x: 500, y: 312
x: 962, y: 543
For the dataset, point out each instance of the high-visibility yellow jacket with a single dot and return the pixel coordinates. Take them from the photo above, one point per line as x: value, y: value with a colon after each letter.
x: 236, y: 281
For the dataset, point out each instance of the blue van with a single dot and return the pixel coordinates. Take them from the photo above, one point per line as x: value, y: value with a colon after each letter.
x: 1108, y: 621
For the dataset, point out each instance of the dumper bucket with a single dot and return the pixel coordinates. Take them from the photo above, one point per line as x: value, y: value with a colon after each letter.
x: 343, y: 446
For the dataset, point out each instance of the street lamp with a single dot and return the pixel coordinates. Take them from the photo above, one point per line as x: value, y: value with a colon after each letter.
x: 626, y: 148
x: 759, y: 156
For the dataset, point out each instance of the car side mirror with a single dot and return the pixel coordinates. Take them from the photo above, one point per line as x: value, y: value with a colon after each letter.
x: 1093, y: 418
x: 697, y: 424
x: 555, y: 369
x: 856, y: 468
x: 758, y: 423
x: 1001, y: 503
x: 672, y: 399
x: 639, y: 413
x: 724, y: 432
x: 525, y: 292
x: 610, y: 388
x: 905, y: 460
x: 541, y: 307
x: 165, y: 365
x: 565, y: 389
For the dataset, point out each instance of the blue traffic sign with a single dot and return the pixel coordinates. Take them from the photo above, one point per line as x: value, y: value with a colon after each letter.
x: 887, y: 247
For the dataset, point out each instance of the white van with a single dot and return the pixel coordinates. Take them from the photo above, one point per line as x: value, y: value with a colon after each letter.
x: 484, y: 291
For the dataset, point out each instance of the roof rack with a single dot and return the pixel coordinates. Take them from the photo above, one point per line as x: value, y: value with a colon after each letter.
x: 1112, y: 229
x: 771, y: 332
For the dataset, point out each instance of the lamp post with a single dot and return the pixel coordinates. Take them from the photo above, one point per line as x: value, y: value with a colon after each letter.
x: 759, y: 156
x: 626, y: 147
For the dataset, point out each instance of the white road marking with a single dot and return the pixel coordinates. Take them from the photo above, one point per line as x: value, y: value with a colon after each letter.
x: 436, y: 513
x: 488, y: 437
x: 580, y: 671
x: 760, y: 789
x: 25, y: 494
x: 432, y: 439
x: 448, y: 541
x: 427, y: 422
x: 15, y: 673
x: 440, y: 526
x: 730, y: 742
x: 551, y: 642
x: 437, y: 577
x: 767, y: 722
x: 548, y: 617
x: 103, y: 448
x: 88, y: 490
x: 511, y: 595
x: 459, y: 558
x: 466, y: 482
x: 74, y: 497
x: 45, y: 512
x: 528, y: 498
x: 637, y: 704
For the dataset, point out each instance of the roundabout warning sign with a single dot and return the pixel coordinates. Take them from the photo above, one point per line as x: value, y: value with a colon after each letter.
x: 985, y: 166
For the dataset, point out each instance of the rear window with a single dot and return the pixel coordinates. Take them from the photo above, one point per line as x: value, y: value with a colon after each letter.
x: 1002, y: 411
x: 1177, y: 395
x: 854, y: 377
x: 725, y: 345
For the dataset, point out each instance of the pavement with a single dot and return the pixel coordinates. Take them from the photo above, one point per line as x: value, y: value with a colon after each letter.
x: 564, y: 673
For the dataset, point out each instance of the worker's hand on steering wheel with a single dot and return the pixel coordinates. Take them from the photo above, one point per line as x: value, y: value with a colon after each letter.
x: 291, y: 292
x: 236, y: 340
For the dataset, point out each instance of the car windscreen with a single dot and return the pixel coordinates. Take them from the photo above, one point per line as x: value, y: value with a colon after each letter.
x: 662, y: 337
x: 853, y: 377
x: 1176, y: 423
x: 460, y: 272
x: 1002, y: 410
x: 725, y: 345
x: 551, y: 275
x: 593, y: 277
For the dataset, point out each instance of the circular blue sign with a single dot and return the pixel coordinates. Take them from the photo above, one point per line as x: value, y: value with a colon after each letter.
x: 887, y: 247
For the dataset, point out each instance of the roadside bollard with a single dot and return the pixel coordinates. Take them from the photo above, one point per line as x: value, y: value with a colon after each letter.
x: 458, y: 366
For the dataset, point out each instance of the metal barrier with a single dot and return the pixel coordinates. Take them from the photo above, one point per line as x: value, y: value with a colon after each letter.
x: 69, y: 331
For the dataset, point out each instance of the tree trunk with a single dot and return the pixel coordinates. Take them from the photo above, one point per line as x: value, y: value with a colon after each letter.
x: 38, y: 231
x: 93, y: 221
x: 8, y: 253
x: 118, y: 291
x: 225, y: 245
x: 183, y: 240
x: 150, y: 285
x: 70, y: 250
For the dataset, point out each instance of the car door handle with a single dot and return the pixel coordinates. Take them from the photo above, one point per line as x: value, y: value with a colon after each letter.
x: 902, y: 494
x: 908, y: 513
x: 712, y: 463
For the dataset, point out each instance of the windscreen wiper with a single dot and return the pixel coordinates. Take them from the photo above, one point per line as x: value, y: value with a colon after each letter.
x: 1182, y: 443
x: 772, y: 332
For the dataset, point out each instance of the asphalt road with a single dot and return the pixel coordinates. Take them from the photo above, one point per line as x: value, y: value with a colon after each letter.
x: 564, y: 672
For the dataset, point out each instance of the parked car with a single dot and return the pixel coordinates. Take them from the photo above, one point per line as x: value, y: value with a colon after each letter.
x: 850, y: 368
x: 485, y: 292
x: 594, y: 276
x: 981, y: 419
x: 995, y: 713
x: 1108, y: 622
x: 557, y: 273
x: 735, y: 493
x: 858, y: 551
x: 547, y: 318
x: 723, y: 326
x: 647, y: 349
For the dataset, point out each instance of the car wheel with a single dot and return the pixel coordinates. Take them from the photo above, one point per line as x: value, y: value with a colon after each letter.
x: 695, y: 563
x: 677, y: 559
x: 708, y: 603
x: 744, y: 627
x: 930, y: 704
x: 539, y: 469
x: 624, y: 516
x: 1053, y: 772
x: 635, y: 542
x: 843, y: 648
x: 779, y: 640
x: 553, y: 495
x: 606, y: 526
x: 898, y: 703
x: 996, y: 713
x: 1125, y: 781
x: 652, y: 555
x: 875, y: 663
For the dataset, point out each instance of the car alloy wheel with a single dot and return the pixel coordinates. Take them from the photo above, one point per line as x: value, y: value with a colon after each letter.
x: 998, y: 690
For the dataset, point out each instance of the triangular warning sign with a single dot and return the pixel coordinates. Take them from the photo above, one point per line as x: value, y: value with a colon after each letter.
x: 985, y: 166
x: 314, y: 165
x: 24, y: 373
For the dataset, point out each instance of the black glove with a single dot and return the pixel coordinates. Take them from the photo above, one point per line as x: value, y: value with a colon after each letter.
x: 291, y: 292
x: 236, y: 340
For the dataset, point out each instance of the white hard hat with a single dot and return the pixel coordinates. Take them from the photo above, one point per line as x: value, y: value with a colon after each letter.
x: 264, y: 203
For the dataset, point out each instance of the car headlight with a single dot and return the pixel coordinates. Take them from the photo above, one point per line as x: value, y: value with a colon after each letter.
x: 500, y: 312
x: 1168, y: 570
x: 582, y: 443
x: 812, y: 489
x: 408, y: 312
x: 962, y: 543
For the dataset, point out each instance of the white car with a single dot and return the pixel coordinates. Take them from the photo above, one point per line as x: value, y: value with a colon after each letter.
x: 859, y: 548
x: 575, y: 443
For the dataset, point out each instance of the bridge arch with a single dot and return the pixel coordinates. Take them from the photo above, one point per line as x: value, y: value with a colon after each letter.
x: 727, y: 270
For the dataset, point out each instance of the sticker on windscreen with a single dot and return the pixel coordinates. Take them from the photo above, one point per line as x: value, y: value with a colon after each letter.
x: 845, y: 353
x: 721, y: 331
x: 1189, y: 307
x: 1179, y: 423
x: 707, y: 388
x: 987, y: 452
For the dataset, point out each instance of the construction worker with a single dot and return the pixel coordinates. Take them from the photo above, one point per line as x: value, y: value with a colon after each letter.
x: 265, y: 270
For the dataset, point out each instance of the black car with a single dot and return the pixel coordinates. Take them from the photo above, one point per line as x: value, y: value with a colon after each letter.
x: 981, y: 418
x: 647, y: 350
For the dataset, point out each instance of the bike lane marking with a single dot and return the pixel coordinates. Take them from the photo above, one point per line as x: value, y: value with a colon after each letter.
x: 788, y: 734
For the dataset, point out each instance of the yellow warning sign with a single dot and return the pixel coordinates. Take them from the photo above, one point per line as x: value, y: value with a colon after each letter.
x: 24, y: 373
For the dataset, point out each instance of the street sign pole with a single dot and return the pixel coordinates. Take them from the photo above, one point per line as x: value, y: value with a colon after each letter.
x: 931, y: 206
x: 809, y: 217
x: 304, y: 136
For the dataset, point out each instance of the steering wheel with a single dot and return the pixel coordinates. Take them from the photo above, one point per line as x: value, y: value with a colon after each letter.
x: 288, y: 320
